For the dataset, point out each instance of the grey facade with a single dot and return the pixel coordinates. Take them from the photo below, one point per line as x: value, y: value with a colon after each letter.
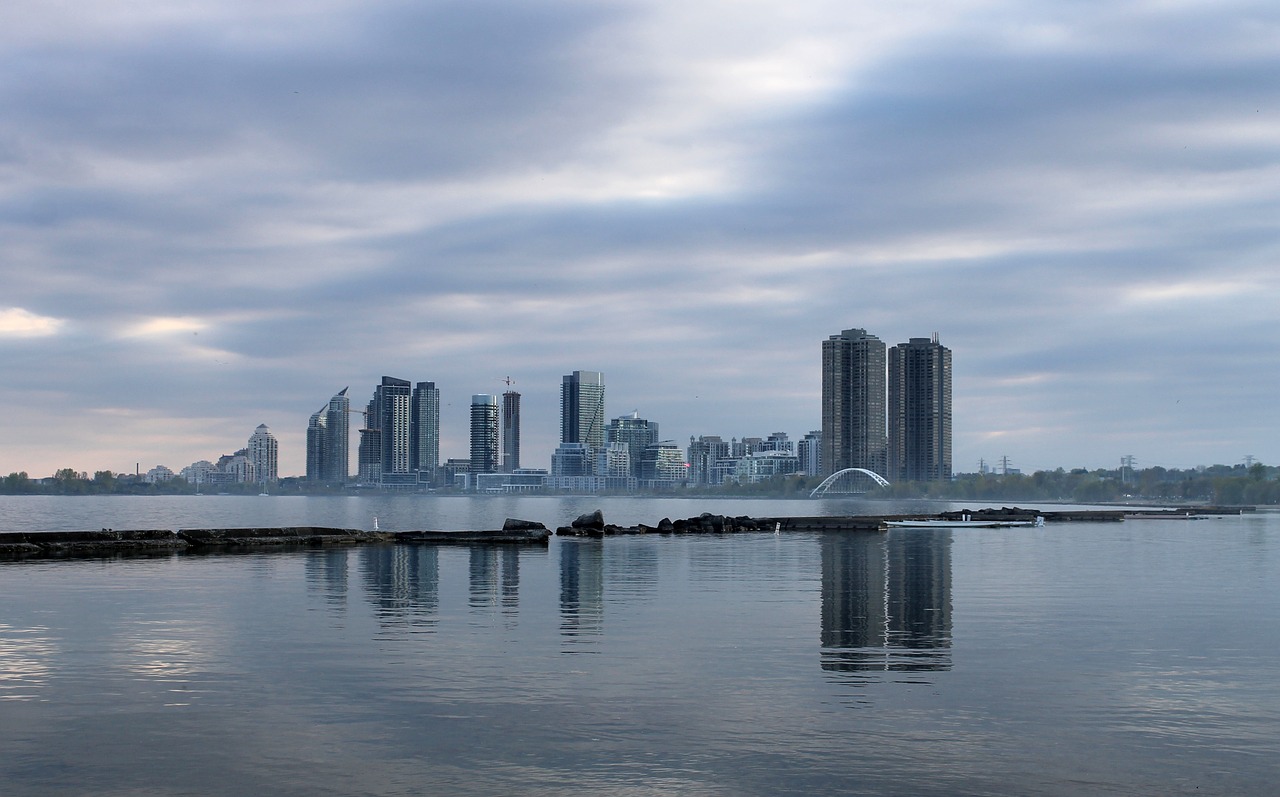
x: 854, y: 433
x: 920, y: 411
x: 424, y: 432
x: 636, y: 432
x: 510, y: 431
x: 484, y: 433
x: 582, y: 409
x: 392, y: 404
x: 328, y: 442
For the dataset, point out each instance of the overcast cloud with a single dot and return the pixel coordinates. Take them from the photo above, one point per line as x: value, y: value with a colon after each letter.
x: 217, y: 214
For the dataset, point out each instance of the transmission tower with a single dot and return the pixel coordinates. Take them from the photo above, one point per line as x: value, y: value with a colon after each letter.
x: 1126, y: 462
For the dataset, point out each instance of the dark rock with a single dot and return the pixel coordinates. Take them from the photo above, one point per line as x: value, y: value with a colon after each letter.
x: 513, y: 524
x: 576, y: 531
x: 591, y: 520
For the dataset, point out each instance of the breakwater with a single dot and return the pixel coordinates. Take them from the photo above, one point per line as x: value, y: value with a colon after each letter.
x: 118, y: 542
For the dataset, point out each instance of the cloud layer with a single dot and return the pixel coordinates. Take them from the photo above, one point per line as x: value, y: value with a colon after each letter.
x: 215, y: 215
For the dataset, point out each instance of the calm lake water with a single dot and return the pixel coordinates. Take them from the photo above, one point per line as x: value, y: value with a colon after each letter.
x: 1101, y: 658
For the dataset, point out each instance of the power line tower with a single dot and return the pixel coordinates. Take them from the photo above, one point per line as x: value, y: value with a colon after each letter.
x: 1126, y: 462
x: 1004, y: 465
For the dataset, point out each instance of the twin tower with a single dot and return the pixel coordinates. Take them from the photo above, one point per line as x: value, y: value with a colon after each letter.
x: 886, y: 410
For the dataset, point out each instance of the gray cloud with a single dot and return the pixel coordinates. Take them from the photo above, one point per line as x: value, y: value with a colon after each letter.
x: 237, y: 215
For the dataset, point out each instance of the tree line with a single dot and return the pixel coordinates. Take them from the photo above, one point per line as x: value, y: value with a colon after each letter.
x: 1256, y: 484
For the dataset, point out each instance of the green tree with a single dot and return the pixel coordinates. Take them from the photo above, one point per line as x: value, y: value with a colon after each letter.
x: 18, y: 483
x: 104, y: 481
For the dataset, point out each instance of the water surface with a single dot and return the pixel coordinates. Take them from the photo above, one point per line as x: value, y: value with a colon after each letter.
x: 1133, y: 658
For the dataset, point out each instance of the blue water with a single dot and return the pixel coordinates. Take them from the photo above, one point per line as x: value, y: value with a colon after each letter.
x: 1133, y: 658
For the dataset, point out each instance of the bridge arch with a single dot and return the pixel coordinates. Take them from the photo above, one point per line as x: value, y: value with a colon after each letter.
x: 821, y: 489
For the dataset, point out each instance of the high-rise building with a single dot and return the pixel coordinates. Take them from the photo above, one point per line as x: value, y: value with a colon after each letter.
x: 424, y: 431
x: 263, y: 453
x: 920, y: 411
x: 853, y: 402
x: 484, y: 433
x: 582, y: 409
x: 510, y: 431
x: 704, y: 452
x: 392, y: 404
x: 317, y: 429
x: 810, y: 452
x: 327, y: 442
x: 662, y: 465
x: 369, y: 454
x: 337, y: 460
x: 638, y: 434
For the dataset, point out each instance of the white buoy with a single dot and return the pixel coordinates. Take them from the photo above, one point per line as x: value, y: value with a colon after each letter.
x: 375, y: 522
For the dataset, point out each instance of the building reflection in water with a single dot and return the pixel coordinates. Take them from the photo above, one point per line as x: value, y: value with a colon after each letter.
x: 326, y: 573
x: 886, y: 601
x: 581, y: 588
x: 495, y: 576
x: 402, y: 583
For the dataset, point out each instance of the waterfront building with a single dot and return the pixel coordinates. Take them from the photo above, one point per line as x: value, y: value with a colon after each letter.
x: 234, y: 468
x: 484, y: 433
x: 662, y: 466
x: 510, y: 431
x: 777, y: 441
x: 636, y: 433
x: 919, y: 411
x: 703, y: 452
x: 317, y: 428
x: 853, y: 402
x: 158, y: 474
x: 328, y: 446
x: 264, y: 455
x: 198, y: 473
x: 724, y: 470
x: 582, y: 409
x: 424, y: 431
x: 521, y: 480
x: 809, y: 451
x: 453, y: 472
x: 572, y: 459
x: 765, y: 465
x: 392, y: 405
x: 615, y: 464
x: 400, y: 444
x: 369, y: 451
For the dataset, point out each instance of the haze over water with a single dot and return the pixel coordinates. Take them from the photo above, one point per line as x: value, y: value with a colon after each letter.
x: 1130, y: 658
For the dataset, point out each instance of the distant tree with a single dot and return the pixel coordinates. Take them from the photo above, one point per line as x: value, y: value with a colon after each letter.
x: 18, y: 483
x: 104, y: 481
x: 70, y: 482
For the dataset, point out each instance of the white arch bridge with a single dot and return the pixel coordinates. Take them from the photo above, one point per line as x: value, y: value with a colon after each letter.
x: 854, y: 478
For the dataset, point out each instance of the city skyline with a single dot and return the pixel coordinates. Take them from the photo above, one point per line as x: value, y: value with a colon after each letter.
x: 214, y: 216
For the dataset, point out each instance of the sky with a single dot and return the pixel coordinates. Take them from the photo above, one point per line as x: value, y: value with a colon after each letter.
x: 216, y: 214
